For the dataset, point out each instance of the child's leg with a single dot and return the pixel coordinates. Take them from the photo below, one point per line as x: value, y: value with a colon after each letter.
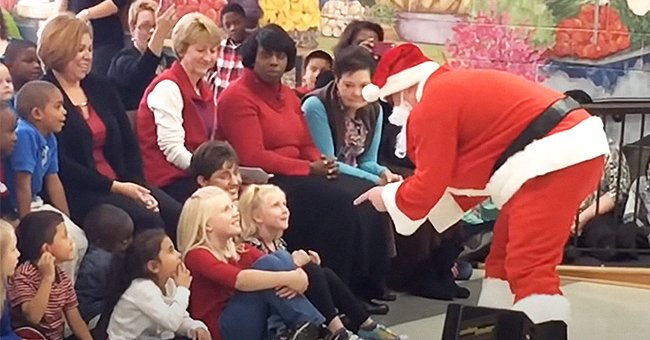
x: 344, y: 299
x: 293, y: 311
x: 255, y: 307
x: 79, y: 239
x: 319, y: 293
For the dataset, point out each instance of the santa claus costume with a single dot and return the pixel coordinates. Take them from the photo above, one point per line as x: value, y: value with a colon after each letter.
x: 475, y: 134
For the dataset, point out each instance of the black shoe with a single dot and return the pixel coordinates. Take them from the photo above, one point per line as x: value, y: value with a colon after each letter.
x: 461, y: 292
x: 374, y: 308
x: 387, y: 296
x: 304, y: 331
x: 432, y: 290
x: 551, y: 330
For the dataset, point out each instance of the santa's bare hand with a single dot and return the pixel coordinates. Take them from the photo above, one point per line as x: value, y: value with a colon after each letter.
x: 374, y: 196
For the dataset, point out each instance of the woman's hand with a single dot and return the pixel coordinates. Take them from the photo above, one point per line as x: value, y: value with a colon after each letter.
x: 368, y: 44
x: 389, y: 177
x: 165, y: 20
x: 324, y: 167
x: 135, y: 192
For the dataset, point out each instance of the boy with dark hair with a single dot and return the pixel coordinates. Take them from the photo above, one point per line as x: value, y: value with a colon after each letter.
x: 316, y: 62
x: 22, y: 62
x: 34, y: 166
x: 229, y: 66
x: 109, y: 230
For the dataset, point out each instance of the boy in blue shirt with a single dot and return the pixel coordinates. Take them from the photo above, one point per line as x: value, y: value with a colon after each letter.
x: 33, y: 167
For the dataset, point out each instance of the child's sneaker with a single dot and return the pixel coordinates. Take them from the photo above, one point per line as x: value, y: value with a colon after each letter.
x: 379, y: 332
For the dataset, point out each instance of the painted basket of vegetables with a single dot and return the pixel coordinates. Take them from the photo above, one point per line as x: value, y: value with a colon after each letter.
x: 300, y: 18
x: 428, y: 21
x: 600, y: 42
x: 337, y: 14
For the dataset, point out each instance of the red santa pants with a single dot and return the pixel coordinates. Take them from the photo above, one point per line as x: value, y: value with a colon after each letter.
x: 534, y: 225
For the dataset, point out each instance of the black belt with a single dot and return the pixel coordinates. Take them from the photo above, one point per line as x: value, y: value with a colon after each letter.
x: 539, y: 127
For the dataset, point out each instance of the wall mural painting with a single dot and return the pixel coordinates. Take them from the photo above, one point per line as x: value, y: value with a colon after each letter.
x: 598, y: 45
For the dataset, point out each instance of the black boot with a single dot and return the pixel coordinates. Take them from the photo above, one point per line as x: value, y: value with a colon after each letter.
x: 427, y: 283
x: 551, y: 330
x: 449, y: 249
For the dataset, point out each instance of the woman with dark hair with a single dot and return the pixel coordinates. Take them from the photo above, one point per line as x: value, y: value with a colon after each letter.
x: 263, y: 121
x: 342, y: 124
x: 361, y: 33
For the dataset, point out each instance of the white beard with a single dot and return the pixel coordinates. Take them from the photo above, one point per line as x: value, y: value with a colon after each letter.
x: 399, y: 117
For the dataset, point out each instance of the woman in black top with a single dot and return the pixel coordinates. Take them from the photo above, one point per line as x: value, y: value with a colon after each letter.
x: 108, y: 35
x: 99, y: 157
x: 135, y: 66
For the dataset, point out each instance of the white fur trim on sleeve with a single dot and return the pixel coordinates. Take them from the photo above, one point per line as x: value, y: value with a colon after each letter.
x: 543, y: 308
x: 403, y: 224
x: 496, y: 293
x: 166, y: 103
x: 443, y: 215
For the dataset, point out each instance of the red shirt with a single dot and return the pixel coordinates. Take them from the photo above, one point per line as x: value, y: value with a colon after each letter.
x: 265, y: 125
x: 213, y: 284
x: 22, y: 287
x: 98, y: 130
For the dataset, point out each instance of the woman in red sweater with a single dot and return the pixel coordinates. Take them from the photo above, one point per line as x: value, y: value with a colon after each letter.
x: 263, y: 121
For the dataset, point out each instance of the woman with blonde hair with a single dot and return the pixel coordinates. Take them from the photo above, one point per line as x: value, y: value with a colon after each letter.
x: 221, y: 266
x: 8, y: 260
x: 177, y: 112
x: 99, y: 158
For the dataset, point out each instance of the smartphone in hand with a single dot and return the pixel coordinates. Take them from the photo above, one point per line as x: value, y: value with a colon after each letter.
x: 381, y: 47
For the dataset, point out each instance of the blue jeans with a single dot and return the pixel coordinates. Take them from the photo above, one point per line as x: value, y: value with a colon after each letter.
x: 246, y: 315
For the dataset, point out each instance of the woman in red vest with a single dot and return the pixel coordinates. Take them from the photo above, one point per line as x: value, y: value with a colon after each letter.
x: 177, y: 112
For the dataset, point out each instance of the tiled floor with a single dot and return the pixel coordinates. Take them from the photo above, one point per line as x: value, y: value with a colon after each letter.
x: 599, y: 312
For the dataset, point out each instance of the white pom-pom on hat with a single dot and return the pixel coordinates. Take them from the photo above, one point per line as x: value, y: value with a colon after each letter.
x: 370, y: 93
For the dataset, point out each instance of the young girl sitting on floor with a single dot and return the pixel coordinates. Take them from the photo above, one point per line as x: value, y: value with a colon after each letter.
x: 154, y: 292
x: 264, y: 218
x: 8, y: 261
x: 40, y: 293
x: 267, y: 285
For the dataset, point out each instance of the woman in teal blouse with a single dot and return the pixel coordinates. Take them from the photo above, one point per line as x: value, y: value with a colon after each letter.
x: 342, y: 124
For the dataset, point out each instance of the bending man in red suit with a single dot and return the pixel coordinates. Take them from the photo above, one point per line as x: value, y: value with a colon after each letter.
x: 474, y: 134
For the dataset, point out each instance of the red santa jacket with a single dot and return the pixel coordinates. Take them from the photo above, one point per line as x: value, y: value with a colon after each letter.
x: 157, y: 169
x: 464, y: 121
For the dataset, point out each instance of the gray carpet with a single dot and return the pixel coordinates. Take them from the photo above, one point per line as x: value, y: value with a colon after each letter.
x: 410, y: 308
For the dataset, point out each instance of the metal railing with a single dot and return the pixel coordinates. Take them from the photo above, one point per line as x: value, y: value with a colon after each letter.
x: 625, y: 121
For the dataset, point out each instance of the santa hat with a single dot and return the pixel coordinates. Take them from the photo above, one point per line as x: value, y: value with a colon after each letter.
x: 400, y: 68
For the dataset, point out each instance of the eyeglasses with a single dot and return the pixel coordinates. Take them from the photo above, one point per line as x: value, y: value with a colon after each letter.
x: 146, y: 27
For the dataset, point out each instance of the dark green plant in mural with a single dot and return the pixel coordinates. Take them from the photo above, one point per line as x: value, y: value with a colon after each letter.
x: 565, y: 8
x: 382, y: 13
